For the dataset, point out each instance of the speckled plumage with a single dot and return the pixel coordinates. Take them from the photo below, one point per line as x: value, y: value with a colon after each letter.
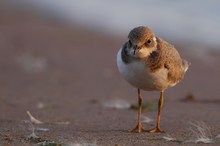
x: 166, y: 56
x: 162, y: 57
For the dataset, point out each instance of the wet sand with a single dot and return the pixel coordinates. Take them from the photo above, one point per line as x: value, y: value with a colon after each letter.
x: 63, y: 74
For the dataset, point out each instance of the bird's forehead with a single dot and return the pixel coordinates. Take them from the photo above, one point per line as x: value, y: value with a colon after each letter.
x: 140, y: 34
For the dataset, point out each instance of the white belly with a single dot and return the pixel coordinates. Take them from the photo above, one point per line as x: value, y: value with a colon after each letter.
x: 138, y: 76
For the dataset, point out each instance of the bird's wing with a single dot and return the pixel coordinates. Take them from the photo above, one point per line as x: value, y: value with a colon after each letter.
x: 166, y: 56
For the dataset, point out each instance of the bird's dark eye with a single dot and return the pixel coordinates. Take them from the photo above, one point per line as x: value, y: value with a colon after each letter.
x: 148, y: 41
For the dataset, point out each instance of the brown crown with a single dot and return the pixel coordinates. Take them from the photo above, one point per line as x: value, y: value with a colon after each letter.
x: 140, y: 34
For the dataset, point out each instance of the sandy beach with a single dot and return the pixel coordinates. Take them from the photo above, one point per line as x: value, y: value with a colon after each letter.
x: 67, y: 78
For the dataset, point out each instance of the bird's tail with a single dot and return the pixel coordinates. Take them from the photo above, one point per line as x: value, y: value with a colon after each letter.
x: 186, y: 64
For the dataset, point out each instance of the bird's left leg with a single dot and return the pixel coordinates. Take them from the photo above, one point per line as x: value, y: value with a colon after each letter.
x: 160, y: 105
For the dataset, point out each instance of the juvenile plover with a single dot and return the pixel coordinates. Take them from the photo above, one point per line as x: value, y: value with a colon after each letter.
x: 149, y: 63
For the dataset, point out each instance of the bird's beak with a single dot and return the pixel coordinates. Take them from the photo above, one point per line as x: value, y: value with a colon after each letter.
x: 136, y: 48
x: 134, y: 51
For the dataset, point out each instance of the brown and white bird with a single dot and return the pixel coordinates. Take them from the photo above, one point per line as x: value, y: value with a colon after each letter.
x: 149, y: 63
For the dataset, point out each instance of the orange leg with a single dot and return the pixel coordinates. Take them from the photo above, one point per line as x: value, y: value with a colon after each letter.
x: 160, y: 105
x: 139, y: 127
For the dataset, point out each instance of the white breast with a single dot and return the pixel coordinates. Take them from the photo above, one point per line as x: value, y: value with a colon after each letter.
x: 138, y: 75
x: 135, y: 73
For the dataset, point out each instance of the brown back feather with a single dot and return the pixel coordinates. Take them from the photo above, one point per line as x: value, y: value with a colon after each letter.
x: 166, y: 56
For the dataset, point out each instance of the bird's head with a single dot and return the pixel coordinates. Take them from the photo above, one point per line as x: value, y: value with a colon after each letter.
x: 142, y: 41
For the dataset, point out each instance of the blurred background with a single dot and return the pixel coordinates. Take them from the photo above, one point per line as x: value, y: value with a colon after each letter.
x: 74, y: 43
x: 59, y: 56
x: 193, y: 22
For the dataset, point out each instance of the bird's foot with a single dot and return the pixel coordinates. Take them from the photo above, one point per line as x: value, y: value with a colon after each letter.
x: 138, y: 129
x: 155, y: 130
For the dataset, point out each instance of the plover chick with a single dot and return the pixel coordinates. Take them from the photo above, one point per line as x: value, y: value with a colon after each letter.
x: 149, y: 63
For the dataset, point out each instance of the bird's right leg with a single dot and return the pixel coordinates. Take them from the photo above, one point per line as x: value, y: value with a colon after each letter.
x: 139, y: 127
